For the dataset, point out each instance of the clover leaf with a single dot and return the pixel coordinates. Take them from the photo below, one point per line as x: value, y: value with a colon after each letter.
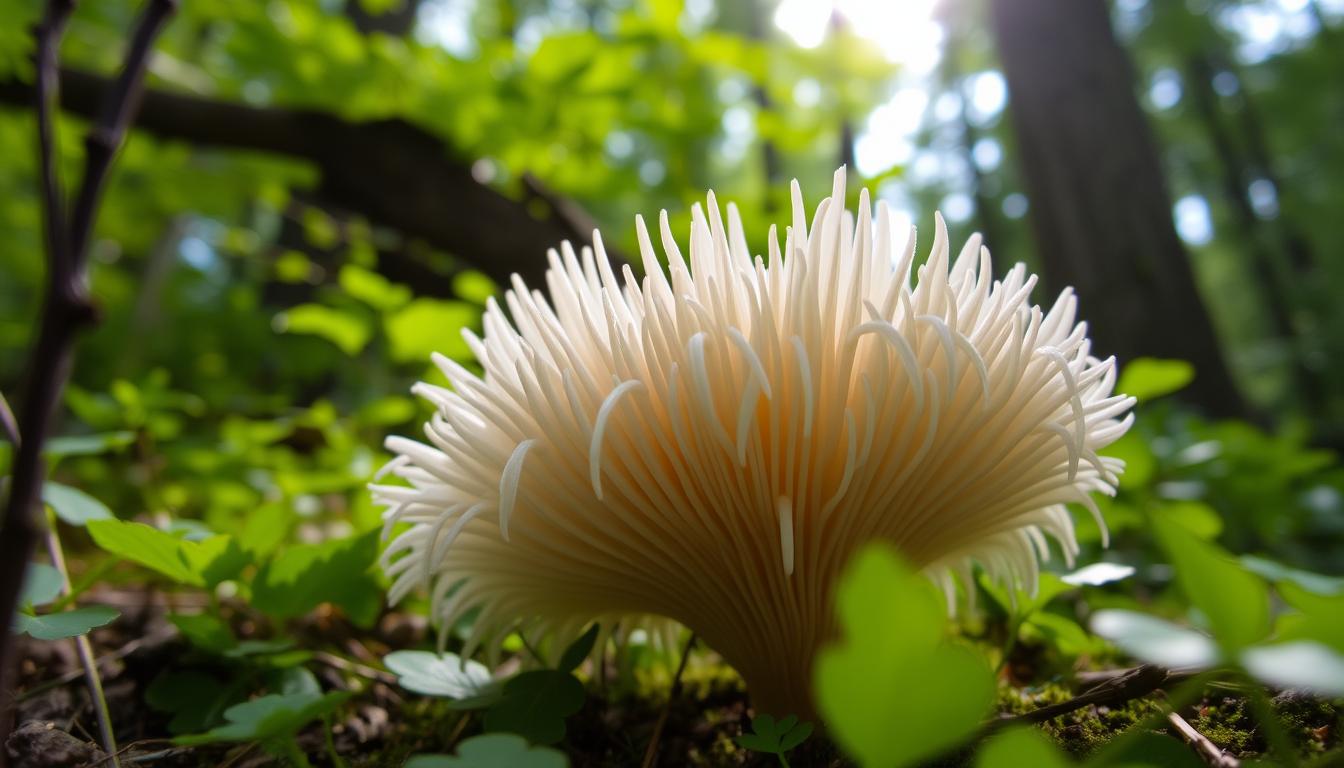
x: 775, y: 737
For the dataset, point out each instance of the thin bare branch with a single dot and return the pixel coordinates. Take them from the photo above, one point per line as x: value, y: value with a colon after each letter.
x: 1206, y: 749
x: 651, y: 754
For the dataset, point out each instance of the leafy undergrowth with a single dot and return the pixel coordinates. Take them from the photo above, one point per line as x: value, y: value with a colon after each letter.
x: 382, y: 724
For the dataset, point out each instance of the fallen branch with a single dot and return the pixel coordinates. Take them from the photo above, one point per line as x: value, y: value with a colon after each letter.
x: 1206, y: 749
x: 1125, y: 686
x: 397, y: 174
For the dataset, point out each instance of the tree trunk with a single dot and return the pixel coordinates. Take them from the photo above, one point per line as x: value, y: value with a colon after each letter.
x: 1099, y: 203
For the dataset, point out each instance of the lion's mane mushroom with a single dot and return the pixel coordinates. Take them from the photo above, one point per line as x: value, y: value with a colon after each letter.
x: 711, y: 442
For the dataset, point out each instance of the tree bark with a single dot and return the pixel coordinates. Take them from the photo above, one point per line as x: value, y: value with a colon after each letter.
x: 1100, y: 208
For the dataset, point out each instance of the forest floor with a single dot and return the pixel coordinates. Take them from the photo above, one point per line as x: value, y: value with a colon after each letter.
x: 382, y: 725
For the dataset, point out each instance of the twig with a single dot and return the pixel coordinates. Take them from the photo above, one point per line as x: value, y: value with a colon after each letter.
x: 67, y: 308
x: 354, y: 667
x: 1206, y: 749
x: 7, y: 422
x: 85, y: 650
x: 651, y: 754
x: 1131, y: 684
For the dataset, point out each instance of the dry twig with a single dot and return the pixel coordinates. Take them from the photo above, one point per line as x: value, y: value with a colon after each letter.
x: 651, y: 754
x: 1206, y: 749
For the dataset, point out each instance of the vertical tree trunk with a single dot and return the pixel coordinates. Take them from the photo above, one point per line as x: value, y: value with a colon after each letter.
x: 1099, y: 203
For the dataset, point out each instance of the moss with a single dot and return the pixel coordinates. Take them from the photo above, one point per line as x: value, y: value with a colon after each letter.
x: 1082, y: 731
x: 1313, y: 724
x: 1229, y: 723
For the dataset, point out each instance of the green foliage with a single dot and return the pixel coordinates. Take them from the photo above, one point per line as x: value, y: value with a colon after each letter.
x: 272, y: 719
x: 336, y: 571
x: 1233, y: 601
x: 775, y: 737
x: 194, y: 563
x: 1019, y: 747
x: 74, y: 506
x: 465, y: 683
x: 535, y: 705
x: 892, y: 623
x: 493, y: 750
x: 1146, y: 378
x: 63, y: 624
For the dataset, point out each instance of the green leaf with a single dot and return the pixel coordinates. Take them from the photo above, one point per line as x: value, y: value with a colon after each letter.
x: 195, y: 699
x: 1155, y: 640
x: 493, y: 750
x: 337, y: 571
x: 373, y: 289
x: 347, y: 331
x: 1196, y: 517
x: 535, y: 705
x: 1018, y: 747
x: 74, y: 506
x: 426, y: 326
x: 1097, y: 574
x: 579, y: 649
x: 63, y: 624
x: 893, y: 625
x: 1320, y: 618
x: 1318, y: 583
x: 209, y: 633
x: 775, y: 737
x: 1301, y: 665
x: 1147, y: 378
x: 1145, y: 749
x: 466, y: 683
x: 41, y: 585
x: 273, y: 716
x: 1235, y: 601
x: 195, y: 563
x: 86, y: 445
x: 473, y: 286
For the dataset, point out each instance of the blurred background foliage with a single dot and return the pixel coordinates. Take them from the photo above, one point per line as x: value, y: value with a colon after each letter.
x: 258, y: 340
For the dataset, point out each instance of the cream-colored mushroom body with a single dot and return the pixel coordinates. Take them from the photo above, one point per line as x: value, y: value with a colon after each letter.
x: 710, y: 443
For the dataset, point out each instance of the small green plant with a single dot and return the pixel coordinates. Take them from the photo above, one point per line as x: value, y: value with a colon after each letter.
x: 775, y: 737
x: 493, y: 750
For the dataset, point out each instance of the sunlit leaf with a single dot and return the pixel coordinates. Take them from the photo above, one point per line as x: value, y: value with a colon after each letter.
x: 1148, y: 378
x: 63, y: 624
x: 72, y: 505
x: 892, y: 625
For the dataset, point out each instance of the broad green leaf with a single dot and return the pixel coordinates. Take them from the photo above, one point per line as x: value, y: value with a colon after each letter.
x: 775, y: 737
x: 269, y: 717
x: 493, y: 750
x: 1301, y: 665
x: 1319, y: 583
x: 893, y: 625
x: 347, y: 331
x: 1320, y: 618
x: 86, y: 445
x: 195, y: 563
x: 1018, y: 747
x: 579, y: 649
x: 74, y: 506
x: 426, y: 326
x: 63, y: 624
x: 1148, y: 378
x: 147, y: 546
x: 467, y: 684
x: 1141, y: 750
x: 1155, y: 640
x: 209, y: 633
x: 1235, y: 601
x: 373, y: 289
x: 1196, y: 517
x: 473, y: 286
x: 195, y: 699
x: 535, y: 705
x: 336, y: 571
x: 41, y: 585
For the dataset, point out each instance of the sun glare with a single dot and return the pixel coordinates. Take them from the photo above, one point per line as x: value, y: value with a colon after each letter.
x: 904, y: 30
